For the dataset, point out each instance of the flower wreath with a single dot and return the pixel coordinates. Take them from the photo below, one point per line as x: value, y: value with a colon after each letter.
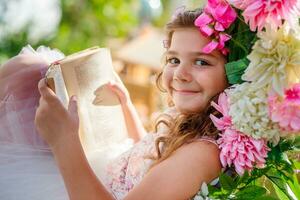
x: 260, y: 127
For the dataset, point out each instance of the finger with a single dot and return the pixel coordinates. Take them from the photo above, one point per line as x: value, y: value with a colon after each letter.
x: 45, y: 91
x: 73, y: 108
x: 120, y: 90
x: 116, y: 90
x: 42, y: 102
x: 116, y: 86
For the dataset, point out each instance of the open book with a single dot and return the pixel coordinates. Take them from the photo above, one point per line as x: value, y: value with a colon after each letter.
x: 103, y: 131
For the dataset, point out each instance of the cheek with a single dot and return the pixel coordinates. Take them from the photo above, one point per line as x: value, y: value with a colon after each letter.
x: 220, y: 82
x: 167, y: 77
x: 214, y: 82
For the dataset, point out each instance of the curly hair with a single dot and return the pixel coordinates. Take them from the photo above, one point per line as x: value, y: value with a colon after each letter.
x: 182, y: 128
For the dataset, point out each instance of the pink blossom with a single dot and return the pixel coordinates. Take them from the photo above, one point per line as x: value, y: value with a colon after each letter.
x: 223, y: 107
x: 286, y: 111
x: 223, y: 14
x: 242, y: 151
x: 210, y: 47
x: 217, y: 16
x: 258, y: 13
x: 204, y: 23
x: 238, y: 149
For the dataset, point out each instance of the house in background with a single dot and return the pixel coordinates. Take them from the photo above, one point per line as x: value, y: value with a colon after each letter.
x: 138, y: 62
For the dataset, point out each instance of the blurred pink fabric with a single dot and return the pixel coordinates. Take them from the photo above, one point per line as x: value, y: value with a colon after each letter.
x: 27, y: 168
x: 19, y: 95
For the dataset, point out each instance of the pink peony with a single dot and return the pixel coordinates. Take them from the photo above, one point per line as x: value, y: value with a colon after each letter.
x: 258, y: 13
x: 243, y: 151
x: 286, y: 111
x: 216, y: 17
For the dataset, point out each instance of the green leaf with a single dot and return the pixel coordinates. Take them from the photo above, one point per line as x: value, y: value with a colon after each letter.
x: 227, y: 182
x: 294, y: 186
x: 280, y: 193
x: 296, y: 144
x: 235, y: 70
x: 279, y: 184
x: 242, y: 39
x: 266, y: 197
x: 251, y: 192
x: 286, y: 145
x: 212, y: 189
x: 296, y: 164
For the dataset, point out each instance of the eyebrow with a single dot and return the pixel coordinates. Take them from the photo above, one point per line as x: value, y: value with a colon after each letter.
x: 192, y: 53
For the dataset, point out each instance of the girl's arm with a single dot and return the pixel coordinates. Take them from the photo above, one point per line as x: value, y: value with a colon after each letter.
x: 59, y: 128
x: 79, y: 178
x: 134, y: 125
x: 178, y: 177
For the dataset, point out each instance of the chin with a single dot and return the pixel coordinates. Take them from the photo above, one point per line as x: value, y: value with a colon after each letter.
x: 188, y: 109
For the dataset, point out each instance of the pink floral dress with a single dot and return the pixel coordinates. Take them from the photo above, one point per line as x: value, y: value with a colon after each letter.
x: 129, y: 169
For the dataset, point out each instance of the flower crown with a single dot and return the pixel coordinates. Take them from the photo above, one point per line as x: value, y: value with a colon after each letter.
x: 261, y: 110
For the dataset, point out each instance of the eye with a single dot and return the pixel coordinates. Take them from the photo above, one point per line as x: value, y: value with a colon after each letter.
x: 201, y: 62
x: 173, y: 61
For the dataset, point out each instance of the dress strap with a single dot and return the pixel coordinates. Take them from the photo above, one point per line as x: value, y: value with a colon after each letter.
x: 208, y: 139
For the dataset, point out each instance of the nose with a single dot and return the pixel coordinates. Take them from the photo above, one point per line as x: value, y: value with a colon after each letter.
x: 182, y: 73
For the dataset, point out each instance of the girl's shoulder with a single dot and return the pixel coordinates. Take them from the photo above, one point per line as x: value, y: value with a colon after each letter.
x: 181, y: 174
x: 205, y: 139
x: 201, y: 148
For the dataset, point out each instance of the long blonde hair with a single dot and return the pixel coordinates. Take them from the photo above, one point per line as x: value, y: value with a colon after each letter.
x: 182, y: 128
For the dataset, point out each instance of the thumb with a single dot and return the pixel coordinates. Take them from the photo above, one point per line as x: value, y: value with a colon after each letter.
x: 73, y: 108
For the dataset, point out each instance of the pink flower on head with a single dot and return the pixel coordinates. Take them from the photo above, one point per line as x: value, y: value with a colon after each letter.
x: 286, y: 111
x: 222, y: 12
x: 217, y: 16
x: 217, y: 43
x: 258, y: 13
x: 204, y: 22
x: 242, y: 151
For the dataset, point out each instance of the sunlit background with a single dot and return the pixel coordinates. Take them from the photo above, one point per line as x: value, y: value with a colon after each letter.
x: 132, y: 29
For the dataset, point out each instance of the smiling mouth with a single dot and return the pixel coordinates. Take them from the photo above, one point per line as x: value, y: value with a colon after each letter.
x: 185, y: 92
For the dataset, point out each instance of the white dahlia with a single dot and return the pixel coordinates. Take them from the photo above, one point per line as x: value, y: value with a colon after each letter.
x: 249, y: 112
x: 275, y: 60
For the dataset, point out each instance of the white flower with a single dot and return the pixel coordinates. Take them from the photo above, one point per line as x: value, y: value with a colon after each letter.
x: 203, y: 193
x: 204, y: 189
x: 249, y: 112
x: 198, y: 198
x: 275, y: 59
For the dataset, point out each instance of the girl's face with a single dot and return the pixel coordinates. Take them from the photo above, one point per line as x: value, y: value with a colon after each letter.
x: 190, y: 77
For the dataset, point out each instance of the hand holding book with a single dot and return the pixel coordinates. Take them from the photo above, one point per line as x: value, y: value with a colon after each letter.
x: 54, y: 122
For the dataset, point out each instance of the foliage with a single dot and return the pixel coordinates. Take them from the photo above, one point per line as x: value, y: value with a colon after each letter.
x: 279, y: 173
x: 89, y: 23
x: 83, y: 24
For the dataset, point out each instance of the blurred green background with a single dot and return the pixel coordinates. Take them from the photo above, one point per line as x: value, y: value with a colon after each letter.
x: 73, y: 25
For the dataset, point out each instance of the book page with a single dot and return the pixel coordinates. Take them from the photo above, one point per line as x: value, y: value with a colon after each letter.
x: 102, y: 125
x: 57, y: 82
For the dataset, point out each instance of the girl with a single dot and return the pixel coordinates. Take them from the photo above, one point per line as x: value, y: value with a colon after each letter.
x: 169, y: 164
x: 185, y: 160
